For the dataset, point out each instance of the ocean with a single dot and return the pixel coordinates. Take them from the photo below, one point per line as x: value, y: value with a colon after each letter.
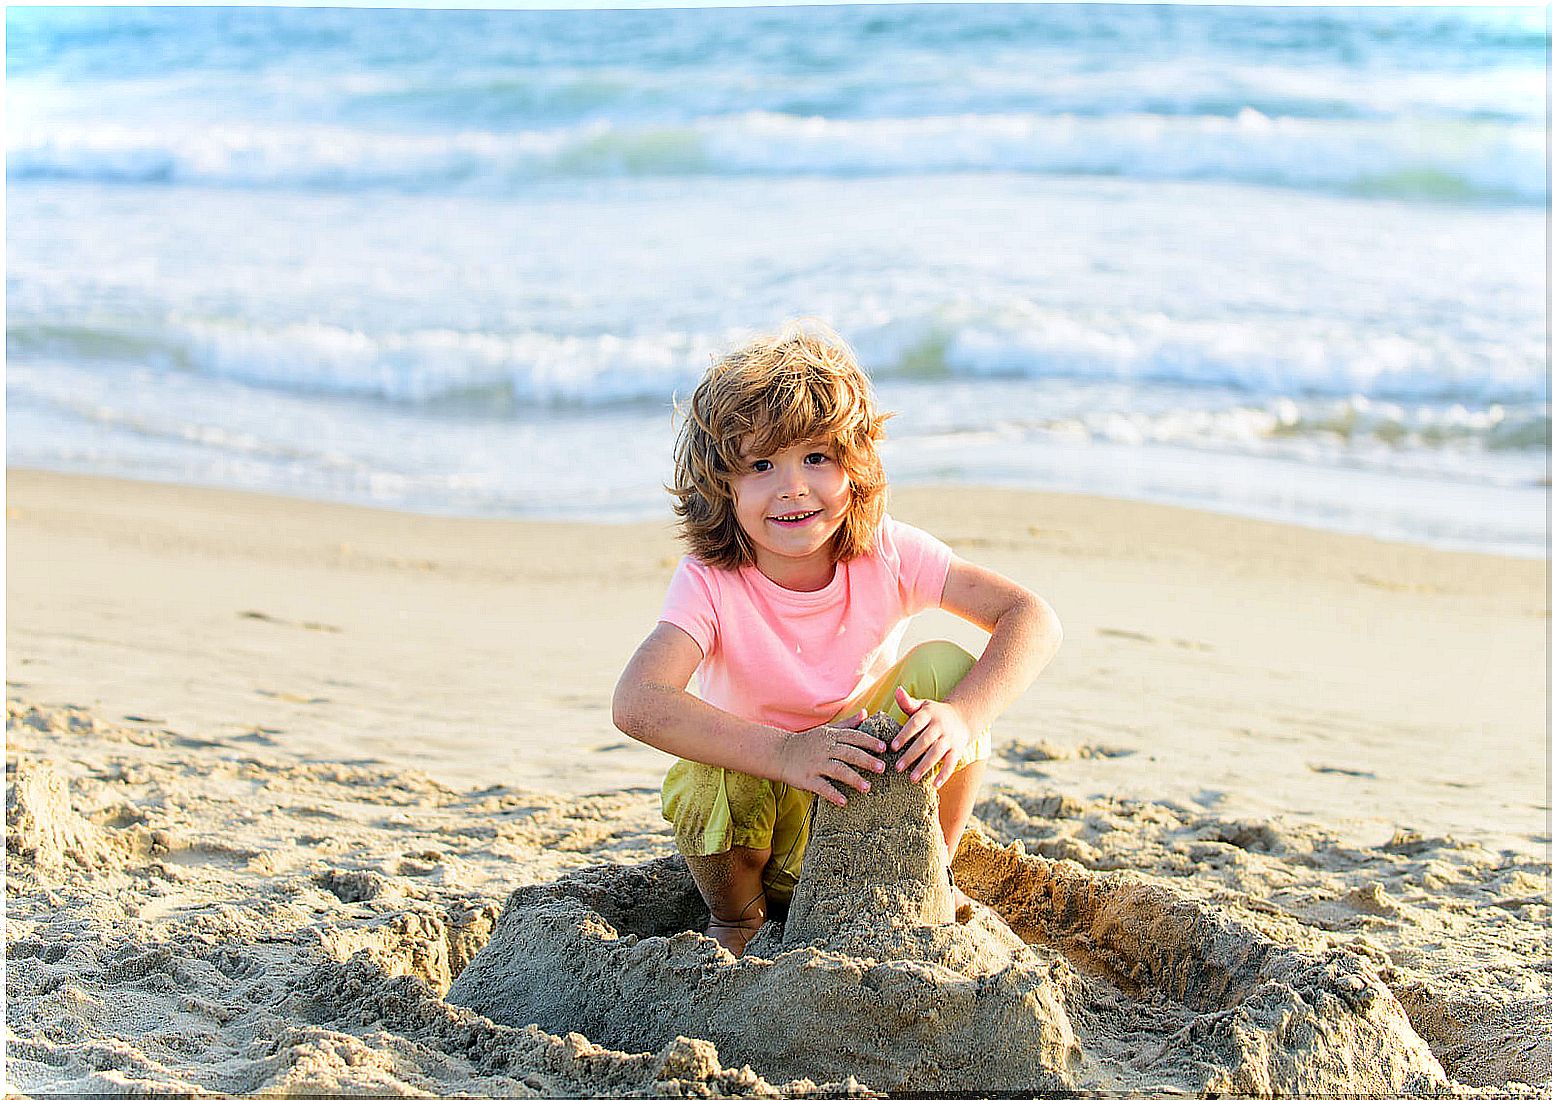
x: 1280, y: 262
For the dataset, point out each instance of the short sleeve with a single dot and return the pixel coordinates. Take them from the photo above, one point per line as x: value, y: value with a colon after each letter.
x: 689, y: 605
x: 923, y: 564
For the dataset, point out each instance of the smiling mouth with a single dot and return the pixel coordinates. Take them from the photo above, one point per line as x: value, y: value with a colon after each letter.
x: 795, y: 517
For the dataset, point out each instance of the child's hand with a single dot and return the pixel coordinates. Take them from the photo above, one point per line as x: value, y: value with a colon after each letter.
x: 817, y: 759
x: 937, y: 734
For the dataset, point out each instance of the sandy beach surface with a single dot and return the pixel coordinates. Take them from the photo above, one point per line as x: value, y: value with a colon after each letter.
x: 275, y: 768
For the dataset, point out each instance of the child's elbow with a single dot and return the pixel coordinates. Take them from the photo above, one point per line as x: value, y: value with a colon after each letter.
x: 636, y: 709
x: 1050, y: 625
x: 623, y: 708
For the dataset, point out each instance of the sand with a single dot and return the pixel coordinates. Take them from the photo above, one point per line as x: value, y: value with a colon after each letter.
x: 869, y: 977
x: 1065, y: 979
x: 873, y: 868
x: 277, y: 772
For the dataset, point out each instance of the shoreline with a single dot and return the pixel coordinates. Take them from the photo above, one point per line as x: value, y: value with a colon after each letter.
x: 1193, y: 641
x: 1461, y: 517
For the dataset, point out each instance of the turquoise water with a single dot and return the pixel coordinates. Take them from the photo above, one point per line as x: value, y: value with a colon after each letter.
x: 1287, y: 262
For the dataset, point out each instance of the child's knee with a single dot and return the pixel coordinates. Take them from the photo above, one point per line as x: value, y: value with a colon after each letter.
x: 933, y: 669
x: 748, y: 860
x: 966, y: 778
x: 734, y: 864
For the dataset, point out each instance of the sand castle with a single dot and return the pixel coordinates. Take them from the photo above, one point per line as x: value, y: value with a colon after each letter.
x: 1065, y: 979
x: 869, y: 975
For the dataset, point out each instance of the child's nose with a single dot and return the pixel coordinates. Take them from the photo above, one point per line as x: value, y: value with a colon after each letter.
x: 795, y: 485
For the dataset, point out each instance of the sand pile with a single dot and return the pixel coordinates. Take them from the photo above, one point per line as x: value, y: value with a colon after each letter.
x: 43, y: 831
x: 192, y: 911
x: 875, y: 869
x: 224, y: 919
x: 1241, y: 1013
x: 870, y: 977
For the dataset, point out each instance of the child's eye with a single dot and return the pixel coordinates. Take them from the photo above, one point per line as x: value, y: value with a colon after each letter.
x: 816, y: 458
x: 760, y: 465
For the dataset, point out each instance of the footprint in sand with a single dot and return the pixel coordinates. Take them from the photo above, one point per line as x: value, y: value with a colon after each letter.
x: 291, y: 697
x: 1138, y: 636
x: 1021, y: 754
x: 263, y: 617
x: 1332, y: 769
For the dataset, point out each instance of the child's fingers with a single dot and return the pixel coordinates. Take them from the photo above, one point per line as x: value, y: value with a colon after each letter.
x: 828, y: 791
x: 856, y: 755
x: 935, y: 753
x: 854, y: 721
x: 914, y: 751
x: 907, y: 703
x: 913, y: 726
x: 946, y: 768
x: 866, y: 741
x: 844, y: 773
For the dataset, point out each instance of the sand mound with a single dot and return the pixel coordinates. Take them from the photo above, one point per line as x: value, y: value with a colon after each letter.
x: 1042, y: 750
x: 1258, y: 1017
x: 870, y: 977
x: 875, y: 869
x: 43, y: 833
x: 1485, y: 1034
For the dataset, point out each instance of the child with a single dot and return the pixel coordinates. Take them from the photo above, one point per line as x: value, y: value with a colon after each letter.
x: 791, y: 605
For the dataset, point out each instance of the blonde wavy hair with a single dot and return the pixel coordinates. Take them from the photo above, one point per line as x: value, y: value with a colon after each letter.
x: 798, y: 384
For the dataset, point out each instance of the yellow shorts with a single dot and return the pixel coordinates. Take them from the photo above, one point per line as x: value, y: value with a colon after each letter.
x: 714, y: 809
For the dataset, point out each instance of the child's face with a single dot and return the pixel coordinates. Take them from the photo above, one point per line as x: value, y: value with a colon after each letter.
x: 790, y: 504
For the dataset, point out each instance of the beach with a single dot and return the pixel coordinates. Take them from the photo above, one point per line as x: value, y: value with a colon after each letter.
x: 345, y: 349
x: 274, y: 767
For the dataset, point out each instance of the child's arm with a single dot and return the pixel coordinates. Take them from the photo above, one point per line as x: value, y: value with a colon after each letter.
x: 1025, y: 635
x: 652, y: 705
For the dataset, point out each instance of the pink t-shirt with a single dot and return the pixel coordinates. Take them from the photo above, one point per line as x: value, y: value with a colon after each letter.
x: 796, y: 660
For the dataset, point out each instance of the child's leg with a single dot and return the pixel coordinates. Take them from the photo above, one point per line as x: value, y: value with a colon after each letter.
x: 956, y: 799
x: 724, y: 821
x: 732, y: 885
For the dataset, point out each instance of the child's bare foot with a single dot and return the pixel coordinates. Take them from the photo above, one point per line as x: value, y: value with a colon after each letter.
x: 963, y: 910
x: 735, y: 934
